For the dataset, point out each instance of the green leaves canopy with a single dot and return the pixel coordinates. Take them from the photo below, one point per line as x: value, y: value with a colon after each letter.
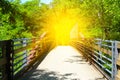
x: 18, y: 20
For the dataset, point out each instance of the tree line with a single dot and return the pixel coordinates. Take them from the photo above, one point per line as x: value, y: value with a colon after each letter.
x: 95, y: 18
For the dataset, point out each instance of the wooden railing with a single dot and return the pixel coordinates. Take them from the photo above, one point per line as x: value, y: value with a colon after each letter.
x: 103, y: 54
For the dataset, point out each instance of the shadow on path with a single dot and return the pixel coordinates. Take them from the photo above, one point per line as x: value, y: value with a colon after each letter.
x: 77, y: 60
x: 63, y: 63
x: 46, y: 75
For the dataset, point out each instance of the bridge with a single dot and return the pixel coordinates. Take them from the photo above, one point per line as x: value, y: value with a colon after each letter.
x: 41, y: 59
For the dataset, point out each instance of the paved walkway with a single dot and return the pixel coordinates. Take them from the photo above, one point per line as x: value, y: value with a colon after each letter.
x: 64, y: 63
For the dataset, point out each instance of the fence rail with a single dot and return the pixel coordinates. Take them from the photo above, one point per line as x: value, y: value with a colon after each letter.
x: 108, y: 64
x: 18, y: 55
x: 21, y: 48
x: 13, y: 58
x: 103, y: 54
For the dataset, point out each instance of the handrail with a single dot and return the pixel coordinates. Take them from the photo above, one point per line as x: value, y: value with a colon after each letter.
x: 26, y: 54
x: 102, y: 53
x: 18, y: 55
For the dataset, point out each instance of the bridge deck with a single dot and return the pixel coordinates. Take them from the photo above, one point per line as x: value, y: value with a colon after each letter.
x: 64, y: 63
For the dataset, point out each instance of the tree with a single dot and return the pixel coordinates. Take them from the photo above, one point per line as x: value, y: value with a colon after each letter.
x: 18, y: 20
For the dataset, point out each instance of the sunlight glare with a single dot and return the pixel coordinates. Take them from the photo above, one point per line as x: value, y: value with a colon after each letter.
x: 61, y: 26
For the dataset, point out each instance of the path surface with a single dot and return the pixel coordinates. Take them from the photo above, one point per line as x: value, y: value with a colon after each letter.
x: 64, y: 63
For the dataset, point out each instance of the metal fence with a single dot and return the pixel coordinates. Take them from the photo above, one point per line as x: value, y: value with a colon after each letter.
x: 17, y: 56
x: 102, y: 54
x: 105, y: 55
x: 13, y: 57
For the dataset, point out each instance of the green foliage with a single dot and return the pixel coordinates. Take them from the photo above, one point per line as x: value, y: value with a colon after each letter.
x: 19, y: 20
x: 28, y: 19
x: 106, y: 15
x: 107, y: 67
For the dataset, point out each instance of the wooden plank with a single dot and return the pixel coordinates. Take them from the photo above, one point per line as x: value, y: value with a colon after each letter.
x: 3, y: 61
x: 118, y: 72
x: 109, y: 52
x: 118, y: 75
x: 103, y: 50
x: 118, y: 61
x: 118, y: 45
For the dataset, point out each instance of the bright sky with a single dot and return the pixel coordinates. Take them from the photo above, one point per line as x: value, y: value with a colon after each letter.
x: 42, y: 1
x: 46, y: 1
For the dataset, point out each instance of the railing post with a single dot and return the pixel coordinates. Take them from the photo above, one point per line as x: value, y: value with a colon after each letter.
x: 114, y: 58
x: 25, y: 51
x: 100, y: 45
x: 9, y: 58
x: 3, y: 70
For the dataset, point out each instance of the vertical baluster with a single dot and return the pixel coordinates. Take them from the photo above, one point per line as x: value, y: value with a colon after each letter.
x: 114, y: 57
x: 100, y: 45
x: 24, y: 52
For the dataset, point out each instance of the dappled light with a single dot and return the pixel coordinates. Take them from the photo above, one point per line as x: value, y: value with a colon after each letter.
x: 64, y: 62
